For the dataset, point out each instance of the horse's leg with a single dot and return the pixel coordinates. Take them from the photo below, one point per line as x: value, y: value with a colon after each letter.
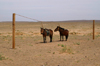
x: 62, y: 38
x: 44, y: 39
x: 66, y: 37
x: 50, y: 38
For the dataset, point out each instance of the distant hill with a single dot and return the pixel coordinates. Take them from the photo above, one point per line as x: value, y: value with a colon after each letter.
x: 60, y: 21
x: 79, y: 21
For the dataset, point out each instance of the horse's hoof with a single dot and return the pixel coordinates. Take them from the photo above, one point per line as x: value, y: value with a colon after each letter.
x: 45, y: 42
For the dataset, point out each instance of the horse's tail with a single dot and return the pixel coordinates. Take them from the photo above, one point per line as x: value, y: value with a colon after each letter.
x: 67, y: 35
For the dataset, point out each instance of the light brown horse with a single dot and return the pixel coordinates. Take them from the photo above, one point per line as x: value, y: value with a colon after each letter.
x: 63, y: 32
x: 46, y: 32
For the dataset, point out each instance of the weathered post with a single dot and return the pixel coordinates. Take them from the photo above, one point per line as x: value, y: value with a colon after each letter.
x: 93, y: 29
x: 13, y: 31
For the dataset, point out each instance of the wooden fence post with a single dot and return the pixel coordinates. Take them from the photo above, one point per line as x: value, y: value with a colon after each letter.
x: 93, y: 29
x: 13, y: 32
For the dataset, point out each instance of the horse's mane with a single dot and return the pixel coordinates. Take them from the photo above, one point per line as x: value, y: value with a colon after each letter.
x: 61, y: 28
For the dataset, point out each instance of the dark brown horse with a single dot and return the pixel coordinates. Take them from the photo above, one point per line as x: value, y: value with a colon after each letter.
x: 63, y: 32
x: 46, y: 32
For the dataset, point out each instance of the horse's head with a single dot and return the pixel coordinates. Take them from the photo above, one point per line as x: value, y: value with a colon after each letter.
x: 41, y: 30
x: 57, y: 29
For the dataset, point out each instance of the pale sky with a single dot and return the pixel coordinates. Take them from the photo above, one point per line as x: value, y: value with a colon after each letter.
x: 50, y: 10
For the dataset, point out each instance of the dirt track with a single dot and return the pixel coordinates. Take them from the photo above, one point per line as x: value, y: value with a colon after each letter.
x: 79, y: 50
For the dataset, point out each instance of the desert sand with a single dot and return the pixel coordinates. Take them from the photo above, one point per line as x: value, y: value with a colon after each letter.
x: 79, y: 50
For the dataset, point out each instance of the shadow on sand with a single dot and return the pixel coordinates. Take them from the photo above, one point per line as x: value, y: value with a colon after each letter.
x: 49, y: 42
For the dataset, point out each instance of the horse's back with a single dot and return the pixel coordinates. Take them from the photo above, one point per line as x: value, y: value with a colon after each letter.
x: 49, y: 31
x: 64, y: 32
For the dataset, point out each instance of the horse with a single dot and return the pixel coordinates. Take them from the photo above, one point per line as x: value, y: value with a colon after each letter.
x: 46, y: 32
x: 63, y: 32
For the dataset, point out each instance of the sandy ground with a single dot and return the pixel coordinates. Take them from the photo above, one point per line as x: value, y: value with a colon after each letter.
x: 79, y: 50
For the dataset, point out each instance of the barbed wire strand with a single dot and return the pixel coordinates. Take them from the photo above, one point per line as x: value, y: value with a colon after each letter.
x: 31, y: 19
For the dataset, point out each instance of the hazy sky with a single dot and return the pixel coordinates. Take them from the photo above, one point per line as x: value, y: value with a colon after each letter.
x: 50, y: 10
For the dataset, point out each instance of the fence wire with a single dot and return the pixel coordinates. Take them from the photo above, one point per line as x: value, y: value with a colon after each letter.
x: 30, y: 18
